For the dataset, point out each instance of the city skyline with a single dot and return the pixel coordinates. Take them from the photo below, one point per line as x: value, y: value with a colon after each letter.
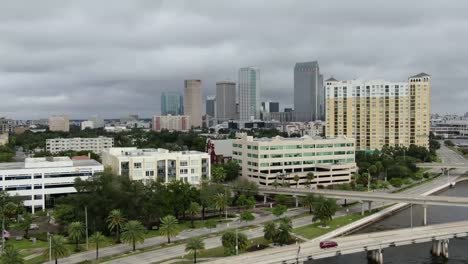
x: 88, y: 63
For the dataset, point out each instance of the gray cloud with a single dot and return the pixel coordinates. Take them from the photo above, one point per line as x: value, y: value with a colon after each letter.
x: 114, y: 57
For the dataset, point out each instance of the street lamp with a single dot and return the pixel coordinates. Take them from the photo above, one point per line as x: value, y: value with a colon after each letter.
x: 368, y: 180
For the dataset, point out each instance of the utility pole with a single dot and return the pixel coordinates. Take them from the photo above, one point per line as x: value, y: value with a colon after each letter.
x: 86, y: 223
x: 368, y: 180
x: 3, y: 221
x: 237, y: 240
x: 50, y: 247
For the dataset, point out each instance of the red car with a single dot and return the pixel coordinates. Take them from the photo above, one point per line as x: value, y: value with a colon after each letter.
x: 328, y: 244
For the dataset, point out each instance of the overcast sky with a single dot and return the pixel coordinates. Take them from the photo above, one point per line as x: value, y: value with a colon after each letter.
x: 115, y: 57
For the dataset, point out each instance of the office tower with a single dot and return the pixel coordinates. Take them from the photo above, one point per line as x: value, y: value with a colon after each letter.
x: 193, y: 102
x: 59, y: 123
x: 379, y: 113
x: 420, y: 107
x: 309, y: 101
x: 171, y: 104
x: 6, y: 125
x: 249, y: 93
x: 226, y: 100
x: 270, y: 107
x: 211, y: 106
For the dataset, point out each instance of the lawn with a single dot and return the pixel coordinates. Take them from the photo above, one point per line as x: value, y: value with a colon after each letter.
x: 186, y: 225
x: 313, y: 230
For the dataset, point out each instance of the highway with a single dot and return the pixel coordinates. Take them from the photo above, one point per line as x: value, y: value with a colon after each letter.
x: 353, y: 244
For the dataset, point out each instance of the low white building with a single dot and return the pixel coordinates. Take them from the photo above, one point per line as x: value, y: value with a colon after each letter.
x: 312, y: 129
x: 96, y: 145
x: 266, y: 160
x: 39, y: 180
x: 3, y: 138
x: 87, y: 124
x: 158, y: 164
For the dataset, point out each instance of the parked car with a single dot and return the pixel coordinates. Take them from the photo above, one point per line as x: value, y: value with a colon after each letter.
x: 33, y: 227
x: 6, y: 234
x: 328, y: 244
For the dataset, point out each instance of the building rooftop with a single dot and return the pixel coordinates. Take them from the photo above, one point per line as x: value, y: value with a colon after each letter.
x: 134, y: 152
x: 279, y: 138
x: 422, y: 74
x: 331, y: 79
x: 47, y: 162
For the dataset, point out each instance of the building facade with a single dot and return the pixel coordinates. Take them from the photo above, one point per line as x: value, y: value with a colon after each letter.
x: 193, y: 101
x: 158, y: 164
x: 226, y: 100
x: 60, y: 123
x: 210, y: 104
x: 39, y: 180
x: 249, y: 93
x: 171, y: 123
x: 309, y: 95
x: 4, y: 138
x: 96, y: 145
x: 269, y: 160
x: 379, y: 113
x: 6, y: 125
x: 172, y: 104
x: 450, y: 128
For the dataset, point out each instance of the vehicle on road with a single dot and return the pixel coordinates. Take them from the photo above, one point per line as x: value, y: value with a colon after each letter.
x: 34, y: 227
x: 328, y: 244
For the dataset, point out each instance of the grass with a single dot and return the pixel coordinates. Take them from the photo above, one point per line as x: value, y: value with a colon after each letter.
x: 313, y: 230
x: 186, y: 225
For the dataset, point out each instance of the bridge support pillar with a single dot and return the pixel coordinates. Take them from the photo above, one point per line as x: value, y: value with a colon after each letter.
x: 297, y: 201
x: 362, y: 208
x: 444, y: 248
x: 264, y: 199
x: 369, y: 207
x: 375, y: 256
x: 440, y: 248
x: 425, y: 215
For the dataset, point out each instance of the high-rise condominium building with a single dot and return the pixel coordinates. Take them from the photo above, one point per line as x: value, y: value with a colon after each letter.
x: 171, y: 123
x: 59, y: 123
x: 249, y: 93
x: 148, y: 165
x: 6, y: 125
x: 226, y: 100
x: 211, y: 105
x: 379, y: 113
x: 96, y: 145
x: 172, y: 104
x: 266, y: 160
x: 309, y: 100
x: 193, y: 101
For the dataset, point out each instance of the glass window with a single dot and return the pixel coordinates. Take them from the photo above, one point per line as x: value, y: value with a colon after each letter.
x: 137, y: 165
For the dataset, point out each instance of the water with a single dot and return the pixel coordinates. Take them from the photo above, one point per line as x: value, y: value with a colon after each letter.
x: 417, y: 253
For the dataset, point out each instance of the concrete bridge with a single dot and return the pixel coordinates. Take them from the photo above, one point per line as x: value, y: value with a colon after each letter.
x: 372, y: 243
x: 443, y: 165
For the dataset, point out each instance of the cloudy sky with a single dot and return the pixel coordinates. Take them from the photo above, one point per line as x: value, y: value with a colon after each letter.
x: 115, y: 57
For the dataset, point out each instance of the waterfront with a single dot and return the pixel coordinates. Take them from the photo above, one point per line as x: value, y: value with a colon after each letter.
x: 418, y: 253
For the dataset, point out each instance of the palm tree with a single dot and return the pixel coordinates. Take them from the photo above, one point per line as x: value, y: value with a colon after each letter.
x: 169, y: 227
x: 310, y: 178
x: 220, y: 202
x: 283, y: 234
x: 76, y: 231
x: 133, y: 232
x: 324, y: 210
x: 193, y: 245
x: 297, y: 179
x: 58, y: 249
x: 308, y: 201
x: 269, y: 231
x: 229, y: 239
x: 193, y: 210
x: 25, y: 224
x: 96, y: 239
x: 115, y: 222
x: 11, y: 256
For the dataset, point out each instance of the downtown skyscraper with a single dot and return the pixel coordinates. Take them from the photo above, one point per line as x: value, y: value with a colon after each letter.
x: 193, y: 101
x: 309, y: 94
x: 172, y: 104
x: 226, y: 100
x: 249, y: 93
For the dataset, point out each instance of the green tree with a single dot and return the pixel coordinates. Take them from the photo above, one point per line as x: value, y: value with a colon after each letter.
x: 220, y: 202
x: 282, y: 199
x: 247, y: 216
x: 310, y: 177
x: 11, y: 255
x: 97, y: 238
x: 372, y: 170
x: 210, y: 223
x: 76, y: 231
x: 269, y: 231
x: 279, y: 210
x: 283, y: 233
x: 115, y: 222
x: 194, y: 245
x: 193, y: 210
x: 308, y: 201
x: 297, y: 179
x: 133, y: 232
x: 218, y: 174
x: 169, y: 227
x: 324, y: 210
x: 25, y: 224
x: 58, y: 249
x: 229, y: 242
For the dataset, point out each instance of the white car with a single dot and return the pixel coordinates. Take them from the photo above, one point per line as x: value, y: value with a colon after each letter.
x: 33, y: 227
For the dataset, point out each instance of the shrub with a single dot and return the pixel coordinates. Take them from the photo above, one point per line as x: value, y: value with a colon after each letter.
x: 396, y: 182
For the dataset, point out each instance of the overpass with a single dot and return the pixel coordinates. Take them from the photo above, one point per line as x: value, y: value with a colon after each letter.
x: 443, y: 165
x: 371, y: 243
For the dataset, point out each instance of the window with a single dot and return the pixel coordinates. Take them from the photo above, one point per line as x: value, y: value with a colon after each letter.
x: 149, y: 173
x: 137, y: 165
x: 264, y: 148
x: 276, y: 148
x: 183, y: 163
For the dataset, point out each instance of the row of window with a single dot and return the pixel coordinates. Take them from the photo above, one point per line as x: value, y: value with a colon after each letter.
x: 306, y: 162
x: 288, y: 147
x: 298, y: 155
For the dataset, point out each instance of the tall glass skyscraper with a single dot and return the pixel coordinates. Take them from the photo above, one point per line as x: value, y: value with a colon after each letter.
x: 249, y: 93
x: 172, y: 104
x: 309, y: 99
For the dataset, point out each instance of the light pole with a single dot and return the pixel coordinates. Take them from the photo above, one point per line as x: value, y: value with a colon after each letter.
x: 368, y: 180
x: 50, y: 246
x: 86, y: 221
x: 411, y: 214
x: 237, y: 240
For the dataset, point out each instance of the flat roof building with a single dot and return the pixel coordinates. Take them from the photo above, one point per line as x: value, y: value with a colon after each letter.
x: 270, y: 160
x: 171, y: 123
x: 39, y: 180
x: 96, y: 145
x: 158, y: 164
x: 59, y: 123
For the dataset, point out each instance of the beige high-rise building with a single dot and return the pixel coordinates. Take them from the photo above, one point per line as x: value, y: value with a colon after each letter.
x: 378, y: 113
x: 59, y: 123
x: 193, y: 102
